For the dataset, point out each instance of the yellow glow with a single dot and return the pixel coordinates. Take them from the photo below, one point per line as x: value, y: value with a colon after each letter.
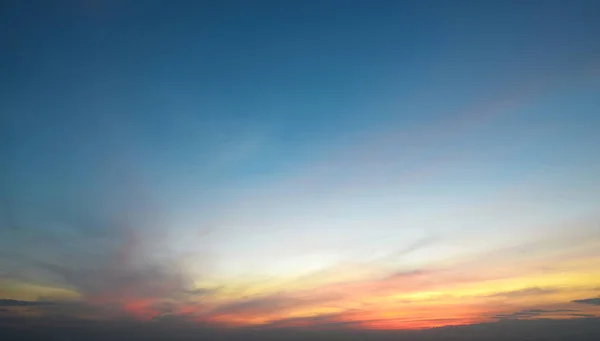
x: 30, y: 292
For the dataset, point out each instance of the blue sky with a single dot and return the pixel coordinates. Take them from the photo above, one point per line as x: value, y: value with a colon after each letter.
x: 271, y: 139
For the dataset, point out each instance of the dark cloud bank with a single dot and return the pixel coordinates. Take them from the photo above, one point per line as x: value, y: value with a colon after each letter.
x: 12, y: 328
x: 591, y: 301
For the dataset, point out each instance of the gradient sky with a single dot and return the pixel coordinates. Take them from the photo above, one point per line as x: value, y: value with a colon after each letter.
x: 363, y: 164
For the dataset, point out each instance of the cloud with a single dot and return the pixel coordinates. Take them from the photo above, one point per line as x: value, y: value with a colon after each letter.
x: 116, y: 258
x: 50, y: 310
x: 332, y: 296
x: 592, y: 301
x: 529, y: 313
x: 322, y: 321
x: 126, y: 280
x: 17, y: 303
x: 534, y: 291
x: 201, y: 291
x: 357, y: 319
x: 271, y: 304
x: 583, y: 315
x: 586, y: 329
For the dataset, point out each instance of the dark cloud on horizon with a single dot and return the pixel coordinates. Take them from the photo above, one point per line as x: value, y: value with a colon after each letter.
x: 529, y: 313
x: 11, y: 328
x: 592, y: 301
x: 583, y: 315
x: 18, y: 303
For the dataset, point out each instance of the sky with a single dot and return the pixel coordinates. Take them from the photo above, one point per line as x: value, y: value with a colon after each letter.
x: 387, y: 165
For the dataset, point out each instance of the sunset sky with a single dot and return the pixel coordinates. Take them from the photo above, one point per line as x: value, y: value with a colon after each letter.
x: 310, y: 164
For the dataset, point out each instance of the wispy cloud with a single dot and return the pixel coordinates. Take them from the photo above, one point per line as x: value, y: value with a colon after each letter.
x: 530, y: 313
x: 591, y: 301
x: 523, y: 293
x: 120, y: 263
x: 18, y: 303
x: 270, y: 305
